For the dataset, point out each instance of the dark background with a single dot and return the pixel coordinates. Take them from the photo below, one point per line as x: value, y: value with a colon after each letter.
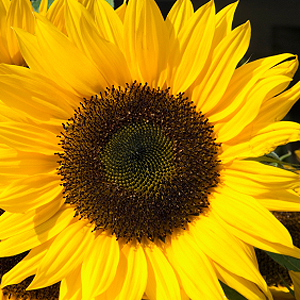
x: 275, y: 29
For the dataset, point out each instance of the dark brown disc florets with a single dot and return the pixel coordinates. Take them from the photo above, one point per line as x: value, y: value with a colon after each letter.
x: 138, y: 162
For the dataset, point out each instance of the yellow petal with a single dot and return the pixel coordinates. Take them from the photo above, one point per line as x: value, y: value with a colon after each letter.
x: 284, y: 201
x: 212, y: 84
x: 8, y: 114
x: 241, y: 84
x: 224, y: 20
x: 262, y: 142
x: 121, y: 10
x: 246, y: 288
x: 89, y: 5
x: 28, y: 92
x: 30, y: 138
x: 56, y: 15
x: 19, y: 15
x: 99, y: 266
x: 31, y: 238
x: 274, y: 109
x: 195, y: 40
x: 287, y: 68
x: 295, y: 276
x: 146, y: 42
x: 70, y: 286
x: 272, y: 187
x: 16, y: 223
x: 245, y: 214
x: 4, y: 56
x: 194, y: 268
x: 108, y: 58
x: 162, y: 282
x: 109, y: 24
x: 262, y: 243
x: 43, y: 7
x: 267, y: 235
x: 178, y: 16
x: 64, y: 255
x: 59, y: 55
x: 30, y: 50
x: 210, y: 237
x: 131, y: 277
x: 234, y: 124
x: 4, y: 30
x: 31, y: 192
x: 262, y: 174
x: 5, y: 6
x: 15, y: 164
x: 27, y: 266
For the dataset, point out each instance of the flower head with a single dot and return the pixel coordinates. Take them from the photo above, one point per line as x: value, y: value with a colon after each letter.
x: 149, y: 187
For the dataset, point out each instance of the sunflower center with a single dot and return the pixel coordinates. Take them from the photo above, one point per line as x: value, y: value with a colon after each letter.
x: 139, y: 157
x: 138, y: 162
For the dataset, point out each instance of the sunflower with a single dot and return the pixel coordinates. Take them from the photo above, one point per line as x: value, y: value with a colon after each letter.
x: 128, y: 155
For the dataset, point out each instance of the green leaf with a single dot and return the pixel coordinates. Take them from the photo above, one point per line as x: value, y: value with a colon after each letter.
x: 230, y: 293
x: 36, y: 4
x: 288, y: 262
x: 111, y: 2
